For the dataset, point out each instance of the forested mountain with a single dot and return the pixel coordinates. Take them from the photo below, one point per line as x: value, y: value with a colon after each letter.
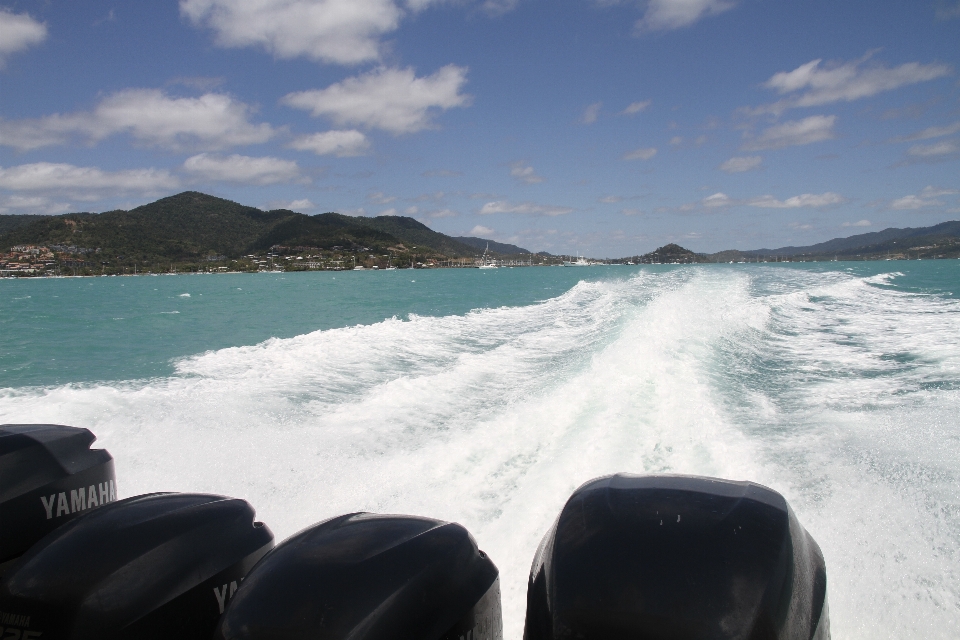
x: 8, y: 222
x: 192, y: 225
x: 891, y: 239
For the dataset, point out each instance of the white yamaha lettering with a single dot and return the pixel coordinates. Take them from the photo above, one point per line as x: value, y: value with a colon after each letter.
x: 222, y: 594
x: 80, y: 499
x: 14, y: 627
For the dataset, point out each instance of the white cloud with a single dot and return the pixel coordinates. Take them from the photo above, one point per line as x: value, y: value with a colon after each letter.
x: 611, y: 199
x: 212, y: 121
x: 935, y: 192
x: 806, y: 200
x: 18, y: 31
x: 927, y: 198
x: 394, y: 100
x: 301, y: 205
x: 481, y: 230
x: 495, y: 8
x: 931, y: 132
x: 631, y: 212
x: 845, y: 82
x: 912, y: 202
x: 674, y: 14
x: 379, y: 197
x: 337, y: 31
x: 525, y: 174
x: 793, y: 133
x: 53, y: 177
x: 242, y: 169
x: 942, y: 148
x: 719, y: 199
x: 636, y: 107
x: 420, y: 5
x: 946, y: 11
x: 741, y: 164
x: 641, y: 154
x: 442, y: 213
x: 36, y: 205
x: 342, y: 144
x: 858, y: 223
x: 525, y: 208
x: 590, y: 113
x: 492, y: 8
x: 676, y: 140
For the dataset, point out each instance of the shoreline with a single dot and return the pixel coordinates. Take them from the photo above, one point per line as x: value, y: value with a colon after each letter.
x: 438, y: 268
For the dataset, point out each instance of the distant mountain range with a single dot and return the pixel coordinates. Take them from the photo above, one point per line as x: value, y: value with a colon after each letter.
x: 191, y: 226
x: 891, y: 239
x: 938, y: 241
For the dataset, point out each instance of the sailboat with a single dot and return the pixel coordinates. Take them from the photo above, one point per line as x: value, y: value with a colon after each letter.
x: 485, y: 262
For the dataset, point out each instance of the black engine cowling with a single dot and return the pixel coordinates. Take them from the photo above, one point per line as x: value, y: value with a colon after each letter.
x: 676, y: 557
x: 156, y: 566
x: 370, y: 577
x: 48, y: 476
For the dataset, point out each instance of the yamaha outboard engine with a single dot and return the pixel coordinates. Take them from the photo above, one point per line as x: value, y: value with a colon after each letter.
x: 676, y: 557
x: 48, y: 476
x: 370, y: 577
x: 151, y: 567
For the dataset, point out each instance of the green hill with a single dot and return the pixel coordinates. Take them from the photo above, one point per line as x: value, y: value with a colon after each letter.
x: 669, y: 254
x: 190, y: 226
x: 324, y: 231
x: 413, y: 233
x: 891, y: 239
x: 8, y: 223
x: 186, y: 226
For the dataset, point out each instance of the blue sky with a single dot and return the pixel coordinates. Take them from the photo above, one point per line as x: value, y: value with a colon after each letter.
x: 600, y: 126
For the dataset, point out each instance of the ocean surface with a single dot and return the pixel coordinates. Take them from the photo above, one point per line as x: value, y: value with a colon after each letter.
x: 487, y: 397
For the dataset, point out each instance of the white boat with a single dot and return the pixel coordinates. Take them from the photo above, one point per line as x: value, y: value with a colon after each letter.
x: 580, y: 262
x: 485, y: 262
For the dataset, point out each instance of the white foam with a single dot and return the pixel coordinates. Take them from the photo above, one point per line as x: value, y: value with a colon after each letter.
x: 492, y: 418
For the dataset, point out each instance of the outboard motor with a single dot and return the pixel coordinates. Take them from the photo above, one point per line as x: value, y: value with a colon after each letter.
x: 156, y: 566
x: 676, y: 557
x: 48, y: 476
x: 370, y: 577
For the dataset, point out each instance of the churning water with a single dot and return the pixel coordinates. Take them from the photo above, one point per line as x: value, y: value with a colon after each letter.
x: 487, y: 397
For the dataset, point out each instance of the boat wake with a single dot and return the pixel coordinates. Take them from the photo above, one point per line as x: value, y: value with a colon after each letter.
x: 835, y: 390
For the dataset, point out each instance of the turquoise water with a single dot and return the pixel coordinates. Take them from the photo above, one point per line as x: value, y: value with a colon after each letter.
x: 486, y: 397
x: 55, y: 331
